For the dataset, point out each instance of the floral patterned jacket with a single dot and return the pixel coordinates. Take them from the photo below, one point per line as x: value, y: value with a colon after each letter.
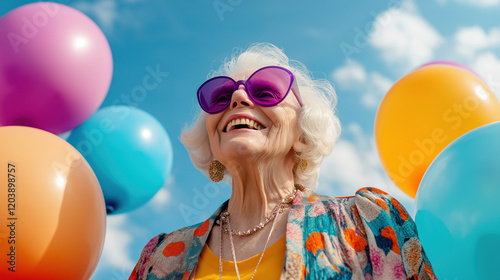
x: 366, y: 236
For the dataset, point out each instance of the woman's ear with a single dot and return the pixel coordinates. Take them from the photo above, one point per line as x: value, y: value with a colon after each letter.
x: 300, y: 145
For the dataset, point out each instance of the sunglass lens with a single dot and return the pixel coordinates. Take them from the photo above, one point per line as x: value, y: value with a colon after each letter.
x: 215, y: 94
x: 269, y: 86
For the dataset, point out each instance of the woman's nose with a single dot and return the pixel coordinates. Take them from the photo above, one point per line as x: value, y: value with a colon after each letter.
x: 240, y: 98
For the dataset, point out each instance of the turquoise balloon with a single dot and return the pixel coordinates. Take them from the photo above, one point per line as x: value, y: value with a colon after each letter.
x: 457, y: 207
x: 130, y: 153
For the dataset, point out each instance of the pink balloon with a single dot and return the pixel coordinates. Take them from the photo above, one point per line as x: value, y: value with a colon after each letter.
x: 55, y: 67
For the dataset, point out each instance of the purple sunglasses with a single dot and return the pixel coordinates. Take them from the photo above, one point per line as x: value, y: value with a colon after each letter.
x: 267, y: 86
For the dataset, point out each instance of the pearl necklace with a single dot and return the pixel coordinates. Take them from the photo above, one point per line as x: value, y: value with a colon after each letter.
x: 225, y: 218
x: 282, y: 205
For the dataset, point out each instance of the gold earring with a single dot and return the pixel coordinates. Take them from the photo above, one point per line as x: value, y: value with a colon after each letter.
x: 303, y: 165
x: 216, y: 171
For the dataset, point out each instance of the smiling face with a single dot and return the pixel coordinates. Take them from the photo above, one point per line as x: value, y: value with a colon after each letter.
x: 247, y: 131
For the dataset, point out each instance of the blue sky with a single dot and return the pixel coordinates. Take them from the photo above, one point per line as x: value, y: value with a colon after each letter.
x: 362, y: 47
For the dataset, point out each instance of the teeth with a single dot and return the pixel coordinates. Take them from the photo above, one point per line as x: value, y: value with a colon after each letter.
x: 251, y: 124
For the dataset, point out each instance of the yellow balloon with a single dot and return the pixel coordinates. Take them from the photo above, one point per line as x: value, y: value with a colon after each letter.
x: 425, y: 111
x: 52, y: 211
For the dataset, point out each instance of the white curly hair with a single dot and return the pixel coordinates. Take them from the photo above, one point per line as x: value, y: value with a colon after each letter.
x: 319, y: 126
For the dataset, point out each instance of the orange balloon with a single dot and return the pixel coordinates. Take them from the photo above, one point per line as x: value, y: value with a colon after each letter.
x: 425, y: 111
x: 52, y: 211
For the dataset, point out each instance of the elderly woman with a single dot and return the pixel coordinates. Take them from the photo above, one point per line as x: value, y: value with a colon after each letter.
x: 265, y: 129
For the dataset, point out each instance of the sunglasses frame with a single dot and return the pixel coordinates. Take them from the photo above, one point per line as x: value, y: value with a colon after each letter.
x: 293, y: 86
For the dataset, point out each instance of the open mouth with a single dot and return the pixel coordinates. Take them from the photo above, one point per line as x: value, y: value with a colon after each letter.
x: 243, y: 123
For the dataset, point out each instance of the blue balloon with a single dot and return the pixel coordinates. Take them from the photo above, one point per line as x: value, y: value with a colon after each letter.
x: 457, y: 207
x: 130, y: 153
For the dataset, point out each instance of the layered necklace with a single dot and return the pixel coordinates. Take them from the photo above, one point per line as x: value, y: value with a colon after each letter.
x: 224, y: 219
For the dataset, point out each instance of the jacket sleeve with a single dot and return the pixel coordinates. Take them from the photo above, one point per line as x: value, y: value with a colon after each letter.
x: 139, y: 270
x: 395, y: 251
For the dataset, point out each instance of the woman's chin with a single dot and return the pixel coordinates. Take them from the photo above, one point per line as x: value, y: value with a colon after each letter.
x: 241, y: 149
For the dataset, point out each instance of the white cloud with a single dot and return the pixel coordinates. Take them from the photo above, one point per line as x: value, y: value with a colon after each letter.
x: 160, y: 200
x: 475, y: 47
x: 405, y: 38
x: 350, y: 73
x: 105, y: 12
x: 116, y: 253
x: 469, y: 40
x: 162, y: 197
x: 377, y: 87
x: 372, y: 86
x: 351, y: 159
x: 487, y: 65
x: 356, y: 164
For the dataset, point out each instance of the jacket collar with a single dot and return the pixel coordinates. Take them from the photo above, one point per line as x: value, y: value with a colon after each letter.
x: 294, y: 249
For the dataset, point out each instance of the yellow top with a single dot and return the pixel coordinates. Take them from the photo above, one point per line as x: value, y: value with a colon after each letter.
x: 270, y: 267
